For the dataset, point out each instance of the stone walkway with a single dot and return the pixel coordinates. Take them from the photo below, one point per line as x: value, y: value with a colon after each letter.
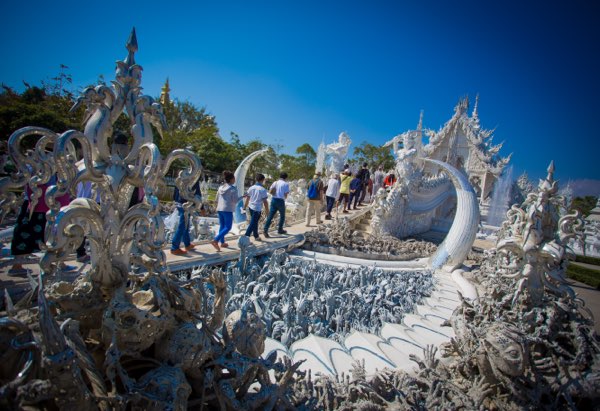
x: 203, y: 254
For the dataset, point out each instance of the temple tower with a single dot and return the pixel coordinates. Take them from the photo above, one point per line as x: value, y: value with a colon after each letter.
x: 165, y: 98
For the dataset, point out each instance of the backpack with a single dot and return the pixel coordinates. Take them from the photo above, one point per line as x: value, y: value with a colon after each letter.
x: 312, y: 192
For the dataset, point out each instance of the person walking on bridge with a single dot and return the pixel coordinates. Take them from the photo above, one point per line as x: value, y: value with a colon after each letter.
x: 279, y: 191
x: 227, y: 199
x: 255, y: 201
x: 315, y: 195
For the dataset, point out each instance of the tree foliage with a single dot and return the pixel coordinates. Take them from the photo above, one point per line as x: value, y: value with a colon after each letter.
x: 301, y: 166
x: 584, y: 204
x: 308, y: 154
x: 49, y: 104
x: 374, y: 156
x: 36, y: 107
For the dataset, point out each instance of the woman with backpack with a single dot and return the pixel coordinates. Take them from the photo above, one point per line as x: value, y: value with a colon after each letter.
x: 314, y: 195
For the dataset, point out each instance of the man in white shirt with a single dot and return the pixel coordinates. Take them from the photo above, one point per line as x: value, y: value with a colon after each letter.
x: 332, y: 194
x: 279, y: 191
x: 256, y: 199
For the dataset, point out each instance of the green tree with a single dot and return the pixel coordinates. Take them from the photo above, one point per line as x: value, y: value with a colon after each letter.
x: 307, y: 153
x: 301, y: 166
x: 584, y: 204
x: 192, y: 127
x: 215, y: 153
x: 374, y: 156
x: 183, y: 116
x: 35, y: 107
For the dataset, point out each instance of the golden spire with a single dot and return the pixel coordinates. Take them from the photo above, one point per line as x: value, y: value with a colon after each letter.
x: 165, y: 98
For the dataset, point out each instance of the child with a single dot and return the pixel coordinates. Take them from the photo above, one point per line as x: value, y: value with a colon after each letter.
x: 256, y: 199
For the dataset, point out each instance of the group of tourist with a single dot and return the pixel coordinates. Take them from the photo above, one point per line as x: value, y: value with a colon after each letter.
x: 30, y: 227
x: 347, y: 189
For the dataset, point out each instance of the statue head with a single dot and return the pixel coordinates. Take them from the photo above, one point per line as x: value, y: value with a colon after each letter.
x: 505, y: 350
x: 344, y: 139
x: 247, y: 332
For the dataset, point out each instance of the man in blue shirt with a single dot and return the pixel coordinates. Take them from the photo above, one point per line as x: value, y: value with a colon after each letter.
x: 355, y: 186
x: 279, y: 191
x: 256, y: 199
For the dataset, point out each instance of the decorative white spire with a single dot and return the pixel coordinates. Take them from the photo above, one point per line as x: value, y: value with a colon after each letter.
x: 165, y: 97
x: 132, y: 48
x: 475, y: 113
x: 420, y: 125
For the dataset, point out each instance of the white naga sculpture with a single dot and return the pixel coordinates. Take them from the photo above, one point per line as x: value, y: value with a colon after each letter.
x: 338, y: 152
x: 239, y: 217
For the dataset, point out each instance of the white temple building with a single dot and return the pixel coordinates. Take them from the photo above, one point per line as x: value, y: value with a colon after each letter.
x: 464, y: 144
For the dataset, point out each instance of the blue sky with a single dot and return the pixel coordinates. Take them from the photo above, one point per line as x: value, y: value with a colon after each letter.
x: 296, y: 72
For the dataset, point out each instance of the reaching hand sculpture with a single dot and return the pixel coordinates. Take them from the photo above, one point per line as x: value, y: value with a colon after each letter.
x: 338, y: 152
x: 110, y: 225
x: 153, y: 337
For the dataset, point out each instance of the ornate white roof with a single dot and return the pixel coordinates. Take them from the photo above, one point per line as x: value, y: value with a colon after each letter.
x: 478, y: 139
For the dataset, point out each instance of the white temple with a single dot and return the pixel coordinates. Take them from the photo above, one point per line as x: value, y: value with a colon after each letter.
x: 464, y: 144
x: 341, y: 325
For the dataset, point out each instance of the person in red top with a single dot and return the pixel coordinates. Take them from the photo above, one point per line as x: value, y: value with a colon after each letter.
x: 389, y: 180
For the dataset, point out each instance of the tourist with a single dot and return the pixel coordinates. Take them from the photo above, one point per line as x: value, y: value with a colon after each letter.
x: 227, y: 199
x: 364, y: 175
x: 332, y: 193
x: 389, y: 181
x: 279, y: 191
x: 355, y: 185
x: 31, y: 226
x: 345, y: 180
x: 120, y: 146
x: 378, y: 179
x: 255, y: 200
x: 182, y: 232
x: 314, y: 195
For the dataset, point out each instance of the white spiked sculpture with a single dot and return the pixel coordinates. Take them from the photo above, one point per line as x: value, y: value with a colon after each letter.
x: 153, y: 337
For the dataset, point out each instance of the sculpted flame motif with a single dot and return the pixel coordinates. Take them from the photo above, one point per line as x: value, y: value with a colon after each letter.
x: 535, y: 247
x: 113, y: 339
x: 110, y: 224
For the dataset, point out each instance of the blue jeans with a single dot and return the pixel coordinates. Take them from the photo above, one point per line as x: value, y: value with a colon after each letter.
x: 277, y: 204
x: 354, y: 196
x: 330, y: 203
x: 225, y: 223
x: 253, y: 226
x: 182, y: 232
